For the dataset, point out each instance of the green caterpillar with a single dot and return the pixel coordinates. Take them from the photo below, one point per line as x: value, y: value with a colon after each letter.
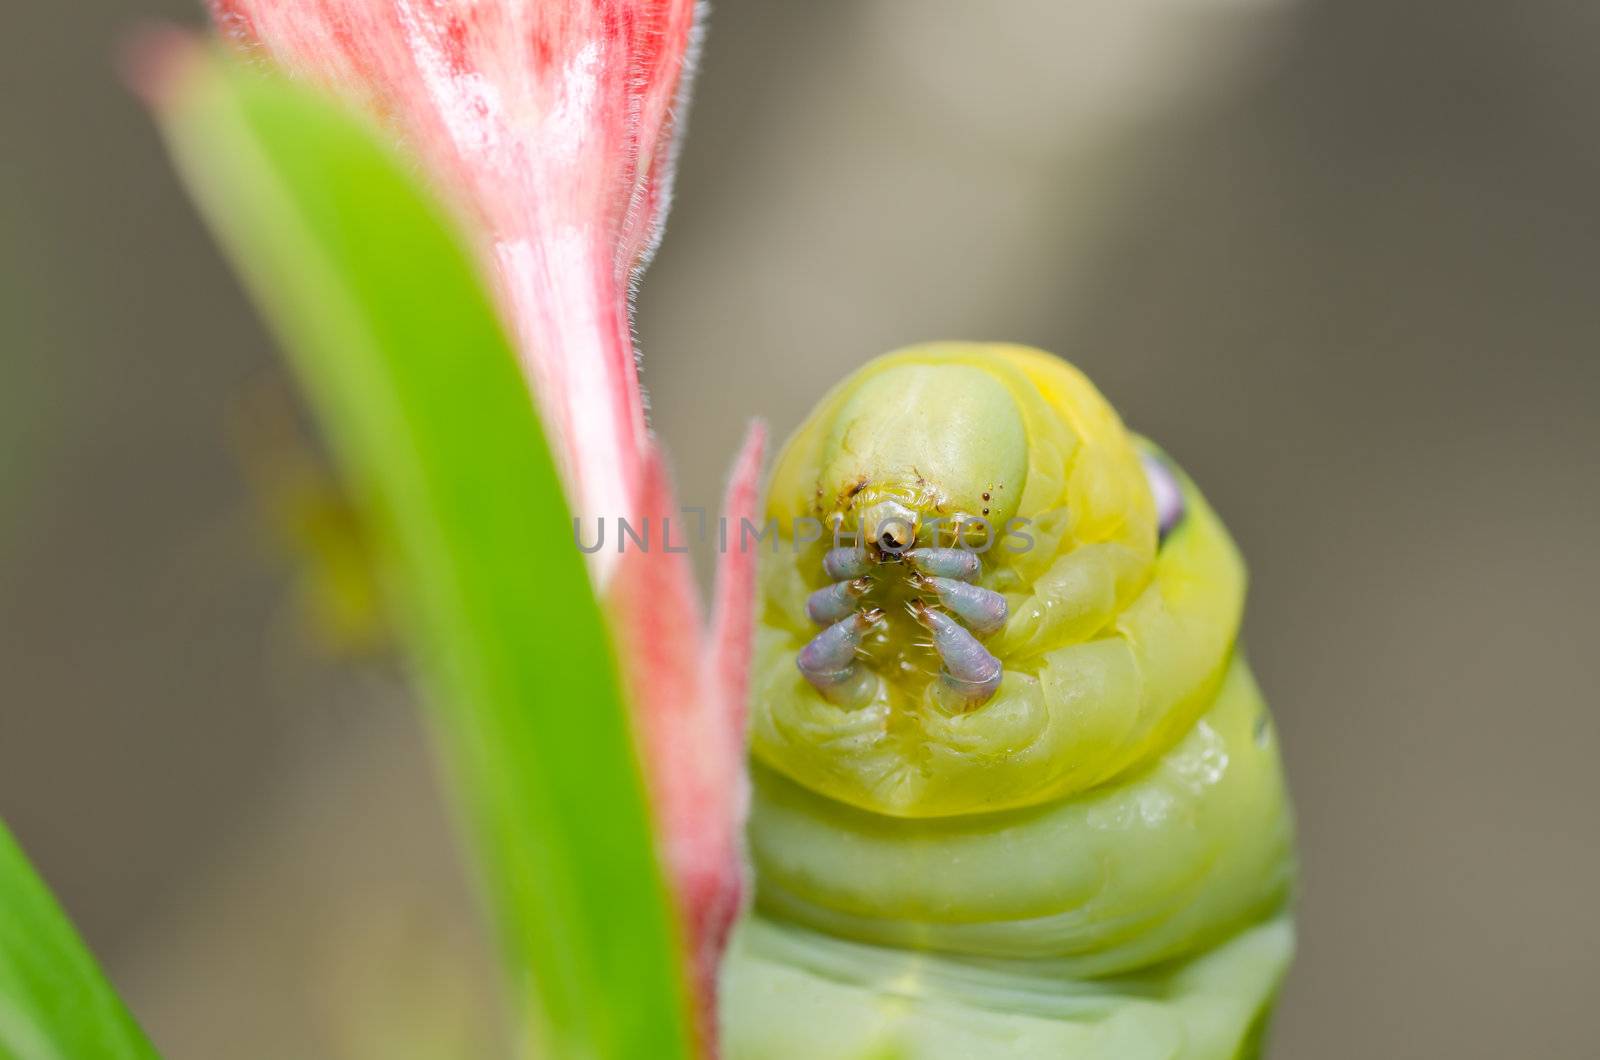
x: 1015, y: 790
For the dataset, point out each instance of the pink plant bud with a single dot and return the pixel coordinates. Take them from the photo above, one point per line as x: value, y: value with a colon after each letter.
x: 550, y: 124
x: 689, y: 690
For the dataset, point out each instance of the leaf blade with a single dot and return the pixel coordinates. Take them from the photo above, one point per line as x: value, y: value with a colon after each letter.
x: 54, y: 1002
x: 386, y: 321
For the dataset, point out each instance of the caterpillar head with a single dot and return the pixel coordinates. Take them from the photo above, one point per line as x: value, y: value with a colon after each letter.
x: 966, y: 534
x: 924, y: 451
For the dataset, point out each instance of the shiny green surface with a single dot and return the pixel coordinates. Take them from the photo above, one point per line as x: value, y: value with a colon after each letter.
x: 792, y: 994
x: 1143, y: 870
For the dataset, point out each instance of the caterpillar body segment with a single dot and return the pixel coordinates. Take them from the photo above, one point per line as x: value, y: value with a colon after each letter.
x: 1015, y: 790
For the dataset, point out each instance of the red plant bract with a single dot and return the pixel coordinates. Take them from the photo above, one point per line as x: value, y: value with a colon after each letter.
x: 549, y: 125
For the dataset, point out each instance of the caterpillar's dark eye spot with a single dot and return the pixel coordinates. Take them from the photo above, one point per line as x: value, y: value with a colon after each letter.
x: 1166, y: 491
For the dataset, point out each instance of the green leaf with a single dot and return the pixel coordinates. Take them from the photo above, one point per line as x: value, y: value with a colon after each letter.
x: 54, y: 1003
x: 387, y: 322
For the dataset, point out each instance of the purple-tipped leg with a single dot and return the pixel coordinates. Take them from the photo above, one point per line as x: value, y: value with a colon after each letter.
x: 971, y: 675
x: 829, y: 661
x: 834, y: 602
x: 983, y: 610
x: 842, y: 563
x: 944, y: 562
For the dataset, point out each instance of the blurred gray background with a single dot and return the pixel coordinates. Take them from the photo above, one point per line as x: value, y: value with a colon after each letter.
x: 1339, y: 258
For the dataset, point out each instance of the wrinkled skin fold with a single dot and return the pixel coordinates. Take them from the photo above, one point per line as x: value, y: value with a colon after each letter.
x: 1095, y: 858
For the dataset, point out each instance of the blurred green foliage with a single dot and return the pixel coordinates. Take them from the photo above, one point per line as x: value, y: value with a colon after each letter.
x: 54, y: 1003
x: 388, y: 325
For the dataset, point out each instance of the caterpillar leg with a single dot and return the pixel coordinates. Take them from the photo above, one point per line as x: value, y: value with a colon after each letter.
x: 836, y: 601
x: 983, y: 610
x: 829, y: 661
x: 843, y: 563
x: 945, y: 563
x: 971, y: 674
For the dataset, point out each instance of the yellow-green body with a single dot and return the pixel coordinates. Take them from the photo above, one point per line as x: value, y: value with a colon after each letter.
x: 1096, y: 861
